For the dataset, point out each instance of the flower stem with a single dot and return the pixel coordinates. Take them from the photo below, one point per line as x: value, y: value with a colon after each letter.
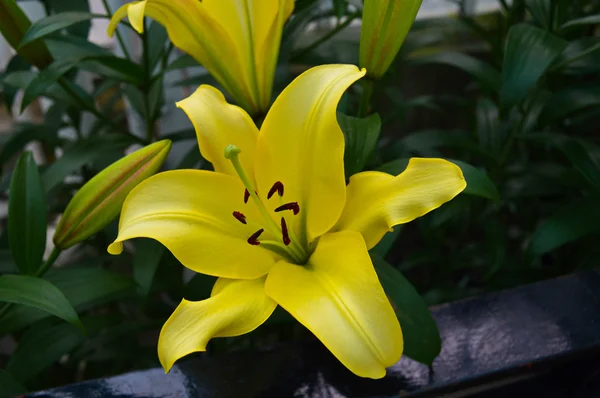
x: 40, y: 272
x: 119, y: 36
x: 365, y: 97
x: 306, y: 50
x: 148, y: 114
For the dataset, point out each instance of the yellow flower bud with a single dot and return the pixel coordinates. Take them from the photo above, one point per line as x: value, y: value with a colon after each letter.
x: 13, y: 25
x: 99, y: 201
x: 384, y: 28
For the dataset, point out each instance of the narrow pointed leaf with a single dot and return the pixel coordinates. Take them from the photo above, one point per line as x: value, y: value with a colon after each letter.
x: 40, y: 347
x: 54, y: 23
x: 529, y: 52
x: 37, y: 293
x: 486, y: 75
x: 148, y: 254
x: 576, y: 220
x: 85, y: 288
x: 27, y: 215
x: 13, y: 25
x: 583, y: 162
x: 422, y: 340
x: 361, y: 136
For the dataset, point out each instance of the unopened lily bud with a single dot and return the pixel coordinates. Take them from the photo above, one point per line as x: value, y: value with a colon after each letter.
x: 384, y: 27
x: 13, y: 25
x: 99, y: 201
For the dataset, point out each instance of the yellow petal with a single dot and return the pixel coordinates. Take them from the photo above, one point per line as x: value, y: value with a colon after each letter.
x: 301, y: 145
x: 269, y: 16
x: 191, y: 213
x: 377, y: 201
x: 219, y: 124
x: 238, y: 307
x: 195, y: 31
x: 338, y: 297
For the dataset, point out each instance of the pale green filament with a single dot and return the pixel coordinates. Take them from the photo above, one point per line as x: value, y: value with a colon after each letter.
x: 294, y: 249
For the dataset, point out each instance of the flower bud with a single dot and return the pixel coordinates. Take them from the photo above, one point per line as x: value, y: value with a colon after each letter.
x: 384, y: 27
x: 13, y: 25
x: 99, y: 201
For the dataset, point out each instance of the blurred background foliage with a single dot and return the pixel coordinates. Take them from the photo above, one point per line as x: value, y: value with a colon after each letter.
x: 511, y: 95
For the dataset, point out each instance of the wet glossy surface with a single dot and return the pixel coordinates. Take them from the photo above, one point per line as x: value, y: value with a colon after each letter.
x: 537, y: 334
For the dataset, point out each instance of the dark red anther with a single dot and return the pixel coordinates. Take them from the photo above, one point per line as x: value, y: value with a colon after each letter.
x: 240, y: 217
x: 284, y: 231
x: 277, y: 187
x: 246, y: 195
x: 253, y: 240
x: 289, y: 206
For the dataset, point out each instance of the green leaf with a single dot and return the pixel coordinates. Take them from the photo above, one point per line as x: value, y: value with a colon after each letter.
x: 37, y: 293
x: 148, y: 254
x: 21, y: 135
x: 361, y: 137
x: 529, y: 52
x: 23, y: 79
x: 85, y: 288
x: 184, y: 61
x: 589, y: 20
x: 487, y: 76
x: 157, y: 37
x: 62, y: 6
x: 581, y: 56
x: 422, y: 340
x: 44, y: 80
x: 574, y: 221
x: 9, y: 386
x: 73, y: 47
x: 387, y: 242
x: 583, y: 162
x: 570, y: 101
x: 40, y: 347
x: 339, y: 7
x: 27, y: 215
x: 540, y: 10
x: 478, y: 182
x: 489, y: 128
x: 113, y: 67
x: 17, y: 63
x: 54, y: 23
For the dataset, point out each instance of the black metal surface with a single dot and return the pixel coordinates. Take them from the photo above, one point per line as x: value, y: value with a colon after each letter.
x: 538, y: 337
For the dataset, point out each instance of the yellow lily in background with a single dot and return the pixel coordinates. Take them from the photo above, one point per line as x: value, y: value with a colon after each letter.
x: 237, y: 41
x: 385, y: 24
x: 277, y: 223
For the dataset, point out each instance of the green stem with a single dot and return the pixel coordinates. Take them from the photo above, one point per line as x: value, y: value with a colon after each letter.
x: 147, y: 78
x: 64, y: 83
x: 40, y: 272
x: 365, y: 98
x: 119, y: 36
x: 303, y: 51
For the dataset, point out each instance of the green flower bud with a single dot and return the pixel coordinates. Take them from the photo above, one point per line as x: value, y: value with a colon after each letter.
x: 385, y: 25
x: 99, y: 201
x: 13, y: 25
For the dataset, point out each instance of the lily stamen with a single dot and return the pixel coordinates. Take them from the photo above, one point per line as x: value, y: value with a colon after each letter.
x: 240, y: 217
x: 284, y: 232
x: 253, y: 239
x: 289, y: 206
x: 246, y: 195
x: 277, y: 187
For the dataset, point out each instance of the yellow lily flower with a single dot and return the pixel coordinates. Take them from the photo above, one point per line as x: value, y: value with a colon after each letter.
x: 385, y: 24
x: 237, y: 41
x: 277, y: 223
